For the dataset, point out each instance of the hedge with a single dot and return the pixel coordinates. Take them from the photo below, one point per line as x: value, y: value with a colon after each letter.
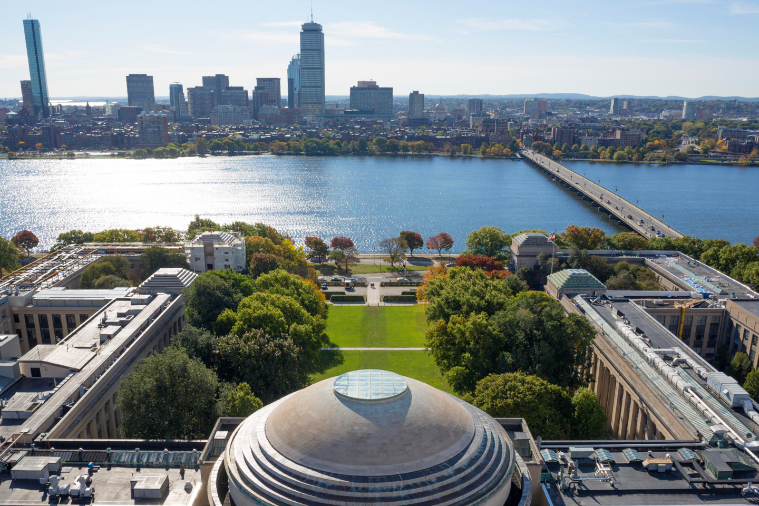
x: 348, y: 298
x: 400, y: 283
x: 329, y: 295
x: 409, y: 292
x: 399, y: 298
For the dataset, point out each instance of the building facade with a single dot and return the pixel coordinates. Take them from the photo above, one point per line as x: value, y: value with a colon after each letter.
x: 367, y: 96
x: 140, y: 91
x: 312, y: 69
x: 614, y: 108
x: 475, y: 105
x: 415, y: 105
x: 234, y: 95
x: 37, y: 72
x: 213, y: 251
x: 153, y: 129
x: 200, y: 101
x: 272, y: 88
x: 176, y: 99
x: 217, y: 84
x: 690, y: 110
x: 293, y: 82
x: 535, y: 105
x: 230, y: 115
x: 28, y: 97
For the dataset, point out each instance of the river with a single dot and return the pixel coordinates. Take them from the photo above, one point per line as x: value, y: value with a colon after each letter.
x: 365, y: 198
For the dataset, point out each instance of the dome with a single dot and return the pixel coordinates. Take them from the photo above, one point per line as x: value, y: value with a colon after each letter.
x: 369, y: 436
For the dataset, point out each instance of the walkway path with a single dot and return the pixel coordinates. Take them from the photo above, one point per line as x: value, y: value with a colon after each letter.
x: 373, y: 295
x: 374, y: 349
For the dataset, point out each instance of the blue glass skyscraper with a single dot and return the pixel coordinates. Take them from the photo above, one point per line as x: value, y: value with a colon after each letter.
x: 37, y: 67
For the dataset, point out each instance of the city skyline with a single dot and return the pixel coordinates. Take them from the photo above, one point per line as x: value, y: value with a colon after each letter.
x: 417, y: 50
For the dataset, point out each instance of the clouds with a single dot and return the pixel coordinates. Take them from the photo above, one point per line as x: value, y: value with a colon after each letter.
x: 744, y: 8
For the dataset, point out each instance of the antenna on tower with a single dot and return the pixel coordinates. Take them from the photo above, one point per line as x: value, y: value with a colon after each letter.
x: 312, y: 11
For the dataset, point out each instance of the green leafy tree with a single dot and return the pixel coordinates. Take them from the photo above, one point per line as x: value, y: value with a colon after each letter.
x: 197, y: 343
x: 752, y: 384
x: 413, y: 240
x: 489, y: 242
x: 317, y: 248
x: 202, y: 146
x: 261, y: 263
x: 199, y: 225
x: 380, y: 144
x: 344, y: 258
x: 8, y: 256
x: 109, y: 265
x: 109, y: 281
x: 739, y: 367
x: 394, y: 249
x: 589, y: 420
x: 305, y: 292
x: 464, y: 291
x: 168, y: 396
x: 72, y: 237
x: 207, y: 297
x: 157, y: 257
x: 627, y: 241
x: 242, y: 401
x: 546, y: 408
x: 118, y: 235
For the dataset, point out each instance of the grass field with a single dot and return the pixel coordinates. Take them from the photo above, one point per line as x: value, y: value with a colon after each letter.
x: 414, y: 364
x: 376, y: 326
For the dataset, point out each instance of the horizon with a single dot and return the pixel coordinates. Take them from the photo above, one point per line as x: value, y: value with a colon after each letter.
x: 662, y: 48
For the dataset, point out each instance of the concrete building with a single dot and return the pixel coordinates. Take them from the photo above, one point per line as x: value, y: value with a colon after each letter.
x: 415, y: 105
x: 535, y: 105
x: 742, y: 329
x: 217, y: 84
x: 27, y: 97
x: 128, y: 113
x: 37, y: 73
x: 475, y: 105
x: 176, y: 99
x: 614, y: 109
x: 293, y: 82
x: 312, y: 69
x: 216, y: 251
x: 200, y: 101
x: 234, y: 95
x: 168, y: 280
x: 153, y: 129
x: 525, y: 249
x: 690, y: 110
x: 230, y: 115
x: 571, y: 282
x: 140, y: 91
x: 367, y: 97
x: 563, y: 136
x: 273, y: 92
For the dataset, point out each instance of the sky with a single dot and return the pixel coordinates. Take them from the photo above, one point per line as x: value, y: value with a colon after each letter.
x: 686, y: 48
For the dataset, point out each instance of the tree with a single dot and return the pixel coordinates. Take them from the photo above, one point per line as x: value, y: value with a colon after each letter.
x: 739, y: 367
x: 413, y: 240
x: 161, y: 234
x: 585, y: 238
x: 261, y: 263
x: 208, y: 297
x: 38, y: 146
x: 168, y: 396
x: 197, y: 343
x: 110, y: 281
x: 380, y: 144
x: 589, y: 420
x: 395, y: 249
x: 627, y: 241
x: 272, y: 366
x: 440, y: 242
x: 242, y: 402
x: 317, y: 248
x: 346, y: 257
x: 464, y: 291
x: 202, y: 146
x: 118, y: 235
x: 305, y: 292
x: 109, y: 265
x: 157, y: 257
x: 341, y: 243
x: 488, y: 242
x: 546, y: 408
x: 72, y: 237
x: 756, y: 242
x: 8, y: 256
x: 487, y: 264
x: 25, y: 240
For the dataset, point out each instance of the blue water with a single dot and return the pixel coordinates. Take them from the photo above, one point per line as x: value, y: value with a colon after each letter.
x: 367, y: 199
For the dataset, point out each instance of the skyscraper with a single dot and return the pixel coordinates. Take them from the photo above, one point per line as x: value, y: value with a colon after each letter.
x: 475, y: 105
x: 217, y: 84
x: 371, y: 99
x: 140, y: 92
x: 312, y: 69
x: 28, y: 96
x: 614, y: 109
x: 535, y: 105
x: 37, y: 72
x: 293, y: 82
x: 689, y: 110
x: 272, y: 88
x: 176, y: 99
x: 200, y: 101
x: 415, y: 105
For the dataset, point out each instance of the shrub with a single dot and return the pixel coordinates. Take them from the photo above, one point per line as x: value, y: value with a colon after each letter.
x: 409, y: 292
x: 400, y: 283
x: 348, y: 298
x: 329, y: 295
x: 399, y: 298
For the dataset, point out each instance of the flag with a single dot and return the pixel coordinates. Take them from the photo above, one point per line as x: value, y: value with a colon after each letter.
x: 553, y: 236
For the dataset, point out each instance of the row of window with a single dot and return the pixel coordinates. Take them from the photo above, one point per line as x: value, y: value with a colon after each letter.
x: 43, y: 325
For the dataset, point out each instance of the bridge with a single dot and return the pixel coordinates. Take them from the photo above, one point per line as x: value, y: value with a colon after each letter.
x: 607, y: 201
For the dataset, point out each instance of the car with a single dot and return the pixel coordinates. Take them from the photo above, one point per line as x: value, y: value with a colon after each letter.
x: 324, y: 286
x: 353, y: 279
x: 629, y: 216
x: 322, y: 278
x: 336, y: 279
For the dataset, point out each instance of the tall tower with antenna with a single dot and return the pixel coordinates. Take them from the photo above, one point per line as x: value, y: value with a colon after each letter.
x: 312, y: 68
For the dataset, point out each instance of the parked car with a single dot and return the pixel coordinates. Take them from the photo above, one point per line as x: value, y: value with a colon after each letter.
x: 324, y: 286
x: 336, y: 279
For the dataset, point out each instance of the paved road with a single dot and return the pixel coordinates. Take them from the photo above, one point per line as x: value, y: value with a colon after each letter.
x: 612, y: 202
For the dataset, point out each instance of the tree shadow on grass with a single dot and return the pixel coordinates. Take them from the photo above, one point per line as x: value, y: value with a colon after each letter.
x: 327, y: 360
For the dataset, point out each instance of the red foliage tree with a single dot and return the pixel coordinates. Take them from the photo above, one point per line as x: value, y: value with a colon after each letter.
x: 341, y: 243
x: 413, y: 240
x: 25, y: 240
x: 499, y: 274
x: 440, y: 242
x: 487, y: 264
x: 756, y: 242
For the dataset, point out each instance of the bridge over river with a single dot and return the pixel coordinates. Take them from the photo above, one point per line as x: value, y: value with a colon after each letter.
x: 607, y: 201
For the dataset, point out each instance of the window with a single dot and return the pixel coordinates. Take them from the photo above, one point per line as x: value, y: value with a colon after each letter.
x: 44, y: 328
x: 15, y: 319
x: 5, y: 327
x: 57, y: 327
x: 83, y: 318
x: 661, y: 319
x: 31, y: 331
x: 687, y: 326
x: 674, y: 324
x: 700, y: 328
x: 2, y: 313
x: 36, y: 373
x: 745, y: 338
x: 70, y: 323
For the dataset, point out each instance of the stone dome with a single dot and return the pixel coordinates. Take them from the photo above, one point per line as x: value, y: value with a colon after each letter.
x: 366, y: 437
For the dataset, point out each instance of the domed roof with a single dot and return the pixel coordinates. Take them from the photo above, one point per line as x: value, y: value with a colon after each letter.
x: 368, y: 436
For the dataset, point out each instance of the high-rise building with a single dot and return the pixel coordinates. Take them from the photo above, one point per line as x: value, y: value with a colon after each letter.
x: 176, y: 99
x: 229, y: 115
x: 234, y: 95
x: 369, y: 97
x: 28, y: 97
x: 614, y: 109
x: 627, y: 104
x: 415, y: 105
x: 272, y: 88
x: 475, y: 105
x: 200, y: 101
x: 37, y: 73
x: 140, y: 92
x: 293, y: 83
x: 533, y: 105
x: 217, y: 84
x: 689, y: 110
x: 312, y: 69
x: 153, y: 129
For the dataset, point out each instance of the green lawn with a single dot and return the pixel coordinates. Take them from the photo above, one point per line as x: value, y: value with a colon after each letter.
x: 377, y: 326
x: 414, y: 364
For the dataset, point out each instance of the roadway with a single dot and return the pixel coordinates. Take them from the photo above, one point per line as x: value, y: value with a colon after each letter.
x: 625, y: 211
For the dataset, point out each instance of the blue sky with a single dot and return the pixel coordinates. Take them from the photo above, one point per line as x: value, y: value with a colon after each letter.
x: 666, y: 47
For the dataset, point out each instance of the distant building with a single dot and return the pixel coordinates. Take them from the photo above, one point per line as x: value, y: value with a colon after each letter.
x: 230, y: 115
x: 367, y: 96
x: 37, y: 73
x: 572, y: 282
x: 140, y: 91
x: 200, y: 101
x: 293, y: 82
x: 415, y: 105
x: 704, y: 113
x: 128, y: 113
x: 259, y: 98
x: 535, y: 105
x: 312, y: 69
x: 213, y: 251
x: 28, y: 97
x: 475, y: 105
x: 272, y: 88
x: 689, y: 110
x: 112, y: 110
x: 234, y: 95
x: 614, y: 109
x: 441, y: 111
x: 176, y: 99
x: 217, y: 84
x: 563, y: 135
x: 153, y: 129
x: 671, y: 114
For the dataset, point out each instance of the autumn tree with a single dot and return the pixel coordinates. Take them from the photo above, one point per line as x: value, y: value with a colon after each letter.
x: 440, y: 242
x: 342, y: 243
x: 585, y: 238
x: 25, y: 240
x: 413, y: 240
x: 487, y: 264
x: 317, y: 248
